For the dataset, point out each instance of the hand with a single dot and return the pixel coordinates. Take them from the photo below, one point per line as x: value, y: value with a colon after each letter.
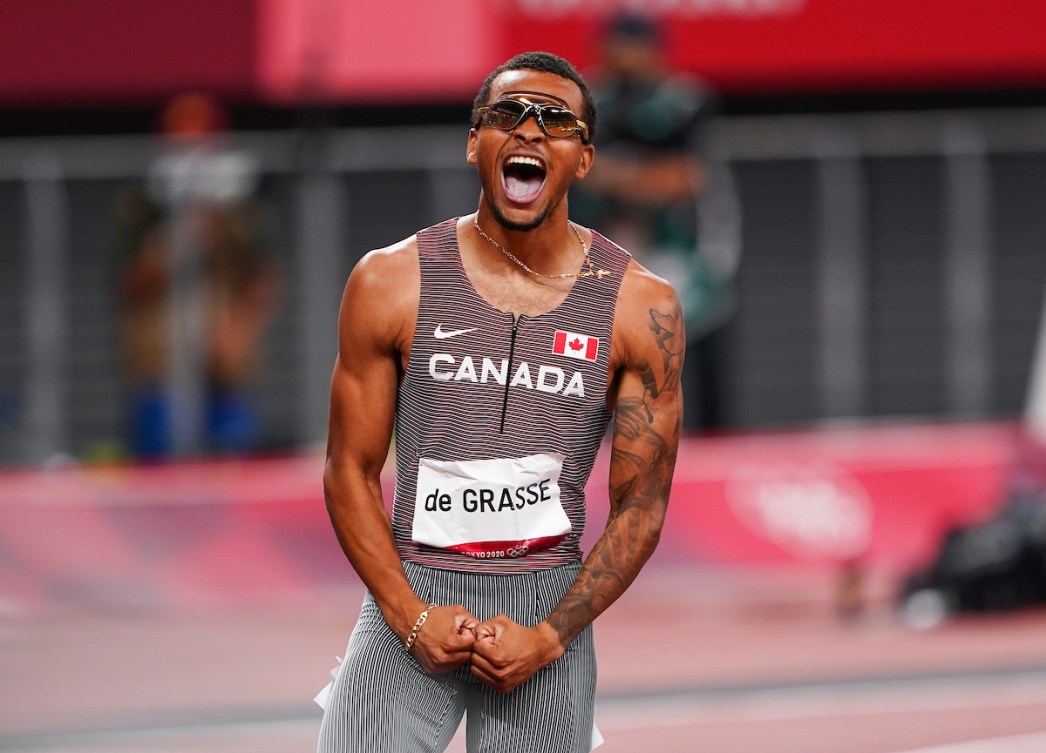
x: 445, y: 641
x: 506, y: 654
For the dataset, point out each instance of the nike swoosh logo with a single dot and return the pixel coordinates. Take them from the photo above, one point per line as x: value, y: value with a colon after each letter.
x: 439, y: 334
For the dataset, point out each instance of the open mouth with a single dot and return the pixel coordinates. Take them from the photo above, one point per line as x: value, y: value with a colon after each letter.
x: 523, y: 178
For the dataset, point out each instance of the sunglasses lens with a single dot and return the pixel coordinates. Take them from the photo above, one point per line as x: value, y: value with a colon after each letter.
x: 558, y: 122
x: 504, y: 115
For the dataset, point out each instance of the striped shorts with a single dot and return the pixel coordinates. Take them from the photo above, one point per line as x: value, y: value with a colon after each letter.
x: 382, y: 701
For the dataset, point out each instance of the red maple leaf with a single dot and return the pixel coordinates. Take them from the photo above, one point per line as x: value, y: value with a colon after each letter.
x: 576, y: 344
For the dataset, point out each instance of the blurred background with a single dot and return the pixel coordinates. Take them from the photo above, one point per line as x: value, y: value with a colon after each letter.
x: 849, y: 196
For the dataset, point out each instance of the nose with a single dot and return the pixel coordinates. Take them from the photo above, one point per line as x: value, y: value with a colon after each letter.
x: 528, y: 129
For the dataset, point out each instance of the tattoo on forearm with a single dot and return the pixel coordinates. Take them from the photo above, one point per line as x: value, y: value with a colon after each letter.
x: 643, y: 459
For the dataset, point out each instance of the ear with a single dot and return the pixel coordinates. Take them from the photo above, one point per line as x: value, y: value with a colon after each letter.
x: 470, y: 150
x: 588, y: 156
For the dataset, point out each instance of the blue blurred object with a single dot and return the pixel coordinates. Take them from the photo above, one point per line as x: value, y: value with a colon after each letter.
x: 232, y: 423
x: 7, y: 408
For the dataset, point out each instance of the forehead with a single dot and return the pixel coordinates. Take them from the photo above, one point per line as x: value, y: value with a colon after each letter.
x: 538, y: 85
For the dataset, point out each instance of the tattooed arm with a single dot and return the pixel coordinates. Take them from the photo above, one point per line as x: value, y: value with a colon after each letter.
x: 649, y: 345
x: 646, y: 362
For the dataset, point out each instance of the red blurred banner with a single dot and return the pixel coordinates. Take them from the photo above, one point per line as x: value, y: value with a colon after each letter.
x: 404, y: 50
x: 389, y: 50
x: 413, y: 49
x: 247, y: 530
x: 812, y: 44
x: 884, y: 496
x: 114, y: 51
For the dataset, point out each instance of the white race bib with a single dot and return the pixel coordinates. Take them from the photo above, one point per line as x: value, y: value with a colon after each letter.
x: 502, y: 507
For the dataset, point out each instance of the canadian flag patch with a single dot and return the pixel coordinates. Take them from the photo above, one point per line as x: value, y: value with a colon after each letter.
x: 573, y: 345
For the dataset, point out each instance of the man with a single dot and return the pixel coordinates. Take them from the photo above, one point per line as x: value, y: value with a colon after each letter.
x: 498, y: 345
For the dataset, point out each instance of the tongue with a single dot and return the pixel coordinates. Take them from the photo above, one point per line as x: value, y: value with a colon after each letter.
x: 522, y: 190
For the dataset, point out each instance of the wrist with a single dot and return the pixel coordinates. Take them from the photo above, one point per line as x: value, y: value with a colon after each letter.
x: 415, y: 630
x: 401, y: 616
x: 551, y: 640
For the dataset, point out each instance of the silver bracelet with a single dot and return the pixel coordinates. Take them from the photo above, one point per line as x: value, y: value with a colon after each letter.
x: 409, y: 643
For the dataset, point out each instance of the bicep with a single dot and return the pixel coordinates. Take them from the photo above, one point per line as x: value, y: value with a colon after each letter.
x: 363, y: 383
x: 648, y: 409
x: 362, y: 405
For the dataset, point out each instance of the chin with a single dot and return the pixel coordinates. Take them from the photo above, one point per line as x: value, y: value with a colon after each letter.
x: 519, y: 220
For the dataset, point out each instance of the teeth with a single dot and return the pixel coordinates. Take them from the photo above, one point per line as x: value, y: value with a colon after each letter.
x: 521, y: 160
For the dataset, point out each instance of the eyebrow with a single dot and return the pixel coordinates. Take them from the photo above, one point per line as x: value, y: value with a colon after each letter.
x: 539, y: 94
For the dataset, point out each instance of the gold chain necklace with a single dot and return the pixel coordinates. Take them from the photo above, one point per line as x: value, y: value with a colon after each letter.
x: 590, y: 272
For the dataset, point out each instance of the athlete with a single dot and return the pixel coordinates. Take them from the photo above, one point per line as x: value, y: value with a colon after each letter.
x: 498, y: 346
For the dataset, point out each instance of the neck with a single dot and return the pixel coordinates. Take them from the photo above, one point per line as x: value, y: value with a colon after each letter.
x: 550, y: 247
x: 586, y: 269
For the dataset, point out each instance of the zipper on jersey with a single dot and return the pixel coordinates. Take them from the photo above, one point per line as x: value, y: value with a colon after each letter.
x: 508, y: 372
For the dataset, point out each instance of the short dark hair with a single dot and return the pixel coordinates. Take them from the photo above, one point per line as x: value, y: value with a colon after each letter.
x: 545, y: 62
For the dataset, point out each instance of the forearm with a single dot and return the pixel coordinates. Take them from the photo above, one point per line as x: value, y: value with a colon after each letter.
x: 610, y: 568
x: 364, y: 531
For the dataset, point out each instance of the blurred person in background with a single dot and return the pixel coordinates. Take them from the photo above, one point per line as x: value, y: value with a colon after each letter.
x: 499, y: 345
x: 652, y: 190
x: 199, y: 198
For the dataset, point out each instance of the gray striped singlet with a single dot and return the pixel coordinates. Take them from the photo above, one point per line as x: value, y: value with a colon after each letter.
x: 480, y: 386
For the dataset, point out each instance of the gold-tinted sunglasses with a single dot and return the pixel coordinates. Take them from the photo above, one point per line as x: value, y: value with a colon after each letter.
x: 557, y: 122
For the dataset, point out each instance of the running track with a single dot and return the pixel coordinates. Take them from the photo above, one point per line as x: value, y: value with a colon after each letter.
x: 689, y: 662
x: 119, y: 632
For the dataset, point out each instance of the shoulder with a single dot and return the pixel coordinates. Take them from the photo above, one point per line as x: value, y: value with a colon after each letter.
x: 642, y: 290
x: 648, y: 316
x: 383, y: 290
x: 384, y: 270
